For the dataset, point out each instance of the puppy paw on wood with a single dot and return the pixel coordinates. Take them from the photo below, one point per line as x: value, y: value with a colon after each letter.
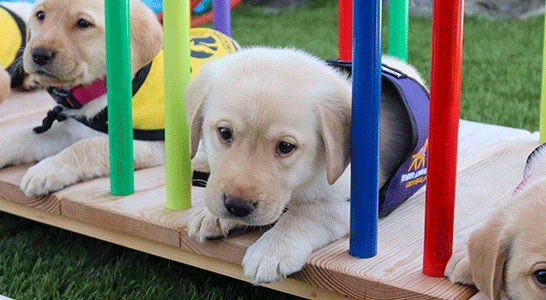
x: 458, y: 267
x: 204, y: 225
x: 46, y: 177
x: 273, y: 257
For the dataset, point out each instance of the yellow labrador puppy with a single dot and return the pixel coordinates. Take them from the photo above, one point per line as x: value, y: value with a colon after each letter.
x: 66, y: 52
x: 65, y: 49
x: 275, y: 126
x: 507, y: 255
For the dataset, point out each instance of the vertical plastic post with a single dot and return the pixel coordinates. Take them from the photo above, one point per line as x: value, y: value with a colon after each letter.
x: 118, y: 84
x: 176, y: 25
x: 365, y: 128
x: 543, y: 92
x: 222, y: 16
x: 345, y: 25
x: 445, y: 92
x: 398, y: 28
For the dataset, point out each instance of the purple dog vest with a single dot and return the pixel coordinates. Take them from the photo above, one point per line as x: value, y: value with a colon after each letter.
x: 411, y: 174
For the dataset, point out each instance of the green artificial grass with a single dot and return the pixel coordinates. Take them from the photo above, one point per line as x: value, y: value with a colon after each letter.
x: 501, y: 85
x: 43, y: 262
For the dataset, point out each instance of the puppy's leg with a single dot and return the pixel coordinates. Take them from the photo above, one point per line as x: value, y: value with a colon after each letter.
x: 204, y: 225
x: 458, y: 267
x: 284, y: 249
x: 26, y: 146
x: 84, y: 160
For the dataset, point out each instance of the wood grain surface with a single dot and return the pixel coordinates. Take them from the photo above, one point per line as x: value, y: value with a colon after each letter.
x: 490, y: 163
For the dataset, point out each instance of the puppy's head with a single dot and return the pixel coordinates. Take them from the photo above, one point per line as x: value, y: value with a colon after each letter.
x: 508, y: 254
x: 273, y: 122
x: 66, y: 41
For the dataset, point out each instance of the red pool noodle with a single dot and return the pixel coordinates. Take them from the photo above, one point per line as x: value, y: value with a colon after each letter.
x: 445, y: 91
x: 345, y: 29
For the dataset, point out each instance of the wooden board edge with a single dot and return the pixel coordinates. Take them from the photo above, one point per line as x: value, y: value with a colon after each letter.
x: 289, y: 286
x: 120, y: 223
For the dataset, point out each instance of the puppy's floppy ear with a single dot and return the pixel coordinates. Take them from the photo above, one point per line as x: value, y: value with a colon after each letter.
x: 335, y: 124
x: 196, y: 92
x: 146, y: 35
x: 488, y: 249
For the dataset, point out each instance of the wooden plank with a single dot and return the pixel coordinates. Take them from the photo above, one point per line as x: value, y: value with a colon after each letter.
x: 20, y: 101
x: 485, y: 151
x: 142, y: 213
x: 231, y: 249
x: 10, y: 180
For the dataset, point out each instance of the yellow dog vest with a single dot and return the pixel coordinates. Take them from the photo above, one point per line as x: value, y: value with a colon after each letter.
x: 149, y: 102
x: 12, y: 35
x: 148, y: 87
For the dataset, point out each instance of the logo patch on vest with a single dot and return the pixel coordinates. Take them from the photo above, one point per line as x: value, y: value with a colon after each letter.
x: 418, y: 165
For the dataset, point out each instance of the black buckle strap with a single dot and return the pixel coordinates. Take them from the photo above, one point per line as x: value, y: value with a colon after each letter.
x: 64, y: 97
x: 55, y: 114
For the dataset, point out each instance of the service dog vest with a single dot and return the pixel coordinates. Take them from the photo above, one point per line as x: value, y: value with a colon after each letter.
x: 411, y: 174
x: 148, y: 99
x: 13, y: 37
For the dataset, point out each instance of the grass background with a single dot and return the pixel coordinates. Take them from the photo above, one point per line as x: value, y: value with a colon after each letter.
x: 501, y: 85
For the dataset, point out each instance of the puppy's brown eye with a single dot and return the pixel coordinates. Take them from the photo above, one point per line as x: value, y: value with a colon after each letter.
x: 540, y: 277
x: 83, y: 24
x: 40, y: 15
x: 285, y: 148
x: 225, y: 134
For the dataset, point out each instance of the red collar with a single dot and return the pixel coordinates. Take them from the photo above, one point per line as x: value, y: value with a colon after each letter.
x: 79, y: 95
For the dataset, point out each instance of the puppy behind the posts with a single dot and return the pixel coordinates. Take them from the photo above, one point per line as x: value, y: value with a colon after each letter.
x: 506, y: 256
x: 66, y: 51
x: 274, y: 126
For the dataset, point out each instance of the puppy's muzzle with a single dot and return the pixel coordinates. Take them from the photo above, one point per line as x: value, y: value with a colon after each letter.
x: 42, y: 56
x: 239, y: 207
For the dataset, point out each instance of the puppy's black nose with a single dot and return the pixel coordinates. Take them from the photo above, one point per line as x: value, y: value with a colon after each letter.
x: 239, y: 207
x: 42, y: 56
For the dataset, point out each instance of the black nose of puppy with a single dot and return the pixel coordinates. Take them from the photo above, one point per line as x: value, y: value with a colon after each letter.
x: 42, y: 56
x: 239, y: 207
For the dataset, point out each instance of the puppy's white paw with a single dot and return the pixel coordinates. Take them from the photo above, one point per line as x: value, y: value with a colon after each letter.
x: 273, y: 257
x: 204, y: 225
x: 46, y: 177
x: 458, y: 268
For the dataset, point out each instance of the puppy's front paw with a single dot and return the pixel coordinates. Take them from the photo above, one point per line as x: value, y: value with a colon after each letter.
x: 30, y: 84
x: 46, y: 177
x: 273, y: 257
x: 204, y: 225
x: 458, y: 268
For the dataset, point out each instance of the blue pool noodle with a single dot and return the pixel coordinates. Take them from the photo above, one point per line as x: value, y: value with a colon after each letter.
x: 365, y: 127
